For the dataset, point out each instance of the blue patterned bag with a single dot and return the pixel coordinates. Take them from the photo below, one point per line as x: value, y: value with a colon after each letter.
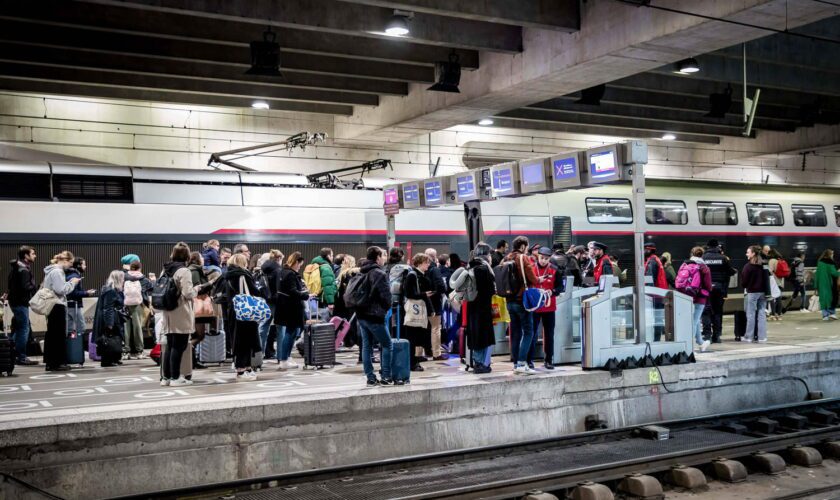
x: 247, y: 307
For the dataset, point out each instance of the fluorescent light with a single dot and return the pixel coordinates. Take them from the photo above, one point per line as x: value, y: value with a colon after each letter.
x: 668, y: 137
x: 398, y: 25
x: 688, y: 66
x: 484, y: 122
x: 260, y: 105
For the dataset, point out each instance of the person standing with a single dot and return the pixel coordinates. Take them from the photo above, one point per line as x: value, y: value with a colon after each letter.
x: 438, y: 287
x: 179, y: 323
x: 721, y: 270
x: 289, y: 309
x: 695, y: 279
x: 75, y: 306
x: 521, y: 320
x: 416, y: 286
x: 109, y: 319
x: 654, y: 269
x: 560, y: 262
x: 773, y: 265
x: 22, y: 287
x: 825, y: 281
x: 198, y: 274
x: 499, y: 253
x: 322, y: 264
x: 210, y: 254
x: 670, y: 273
x: 245, y: 334
x: 577, y: 255
x: 602, y: 265
x: 549, y: 279
x: 55, y: 348
x: 371, y: 316
x: 136, y: 292
x: 479, y: 324
x: 799, y: 281
x: 754, y: 278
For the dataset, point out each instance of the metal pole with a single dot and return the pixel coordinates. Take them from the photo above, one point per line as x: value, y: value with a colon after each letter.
x: 391, y: 225
x: 638, y: 246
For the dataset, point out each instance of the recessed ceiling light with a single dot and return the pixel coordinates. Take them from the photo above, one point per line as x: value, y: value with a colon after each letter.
x: 398, y: 25
x: 668, y: 137
x: 688, y: 66
x: 484, y: 122
x: 260, y: 105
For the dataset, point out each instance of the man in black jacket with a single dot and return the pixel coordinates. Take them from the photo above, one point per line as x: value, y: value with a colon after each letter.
x: 21, y: 289
x: 371, y: 318
x: 721, y: 271
x: 439, y: 288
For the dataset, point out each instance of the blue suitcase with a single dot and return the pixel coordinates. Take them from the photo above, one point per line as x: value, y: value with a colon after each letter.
x: 75, y: 348
x: 400, y: 355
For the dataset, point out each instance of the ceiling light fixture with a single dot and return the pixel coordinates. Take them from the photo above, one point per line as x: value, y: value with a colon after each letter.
x: 449, y: 74
x: 485, y: 122
x: 260, y: 105
x: 398, y: 25
x: 265, y: 55
x: 688, y: 66
x: 668, y: 137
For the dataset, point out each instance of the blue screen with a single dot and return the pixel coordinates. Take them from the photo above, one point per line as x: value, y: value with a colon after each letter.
x: 466, y: 186
x: 433, y: 193
x: 411, y: 192
x: 533, y: 173
x: 565, y: 168
x: 502, y: 179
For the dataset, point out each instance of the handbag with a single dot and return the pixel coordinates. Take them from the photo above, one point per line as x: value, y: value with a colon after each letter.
x: 415, y: 313
x: 203, y: 307
x: 814, y: 304
x: 248, y: 307
x: 110, y: 344
x: 43, y: 301
x: 775, y: 292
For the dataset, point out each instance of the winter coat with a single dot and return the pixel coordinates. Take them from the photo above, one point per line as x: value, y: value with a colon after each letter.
x: 799, y: 270
x: 74, y: 298
x: 341, y: 310
x: 110, y: 313
x: 211, y: 257
x: 435, y: 278
x: 445, y: 275
x: 705, y: 279
x: 753, y: 278
x: 415, y: 286
x: 573, y: 270
x: 520, y: 259
x: 670, y: 275
x: 772, y: 265
x: 551, y: 281
x: 654, y: 269
x: 182, y: 318
x: 290, y: 310
x: 379, y: 301
x: 825, y: 281
x: 271, y: 270
x: 329, y: 287
x: 479, y: 328
x: 243, y: 333
x: 54, y: 280
x: 720, y: 267
x: 21, y: 283
x: 603, y: 267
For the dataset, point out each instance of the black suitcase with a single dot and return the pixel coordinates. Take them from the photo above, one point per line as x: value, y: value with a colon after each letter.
x: 319, y: 345
x: 740, y: 324
x: 7, y: 356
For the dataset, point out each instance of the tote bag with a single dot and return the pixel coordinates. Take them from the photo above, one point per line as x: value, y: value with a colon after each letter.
x: 415, y: 313
x: 247, y: 307
x: 203, y: 307
x: 814, y: 304
x: 43, y: 301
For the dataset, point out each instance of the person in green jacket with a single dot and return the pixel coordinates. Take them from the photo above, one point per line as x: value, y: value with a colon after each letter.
x: 329, y: 287
x: 825, y: 281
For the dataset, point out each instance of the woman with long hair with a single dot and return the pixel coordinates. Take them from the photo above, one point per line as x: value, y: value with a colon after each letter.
x: 825, y: 281
x: 775, y: 304
x: 179, y: 323
x: 108, y: 321
x: 55, y: 349
x: 754, y: 278
x: 75, y: 306
x: 203, y: 285
x: 290, y: 307
x: 245, y: 338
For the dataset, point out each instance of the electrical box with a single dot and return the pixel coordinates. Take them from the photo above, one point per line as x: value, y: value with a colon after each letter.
x: 565, y: 170
x: 505, y: 180
x: 534, y: 176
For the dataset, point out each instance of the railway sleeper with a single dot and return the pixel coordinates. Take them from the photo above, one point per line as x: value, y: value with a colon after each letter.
x: 768, y: 463
x: 642, y: 486
x: 588, y: 490
x: 730, y: 471
x: 804, y: 456
x: 690, y: 478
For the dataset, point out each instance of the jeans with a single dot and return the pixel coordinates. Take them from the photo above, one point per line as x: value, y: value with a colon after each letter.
x: 21, y: 332
x: 755, y: 304
x: 286, y: 338
x: 828, y: 312
x: 483, y: 356
x: 698, y: 329
x: 522, y: 328
x: 435, y: 322
x: 548, y: 319
x: 264, y: 329
x: 371, y: 332
x: 798, y: 290
x: 75, y: 319
x: 713, y: 314
x: 176, y: 344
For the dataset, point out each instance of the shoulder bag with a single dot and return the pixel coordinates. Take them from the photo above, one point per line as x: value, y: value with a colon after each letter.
x: 248, y: 307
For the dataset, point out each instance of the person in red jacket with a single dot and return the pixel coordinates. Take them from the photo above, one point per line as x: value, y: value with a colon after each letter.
x: 655, y: 269
x: 548, y: 280
x: 603, y: 265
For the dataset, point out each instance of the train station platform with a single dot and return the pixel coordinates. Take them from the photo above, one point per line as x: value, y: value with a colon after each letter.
x: 95, y: 432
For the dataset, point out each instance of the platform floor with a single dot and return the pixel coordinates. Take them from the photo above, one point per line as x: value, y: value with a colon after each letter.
x: 32, y: 395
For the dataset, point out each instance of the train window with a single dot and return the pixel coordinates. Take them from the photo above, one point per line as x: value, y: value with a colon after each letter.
x: 89, y: 188
x: 837, y: 214
x: 665, y: 212
x: 609, y: 211
x: 809, y: 215
x: 765, y: 214
x: 24, y: 186
x: 717, y: 213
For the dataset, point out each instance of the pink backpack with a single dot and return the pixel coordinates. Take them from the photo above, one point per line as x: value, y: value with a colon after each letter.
x: 690, y: 280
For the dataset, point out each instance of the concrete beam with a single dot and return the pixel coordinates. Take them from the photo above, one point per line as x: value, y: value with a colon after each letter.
x: 163, y: 96
x: 116, y: 19
x: 615, y: 41
x: 560, y: 15
x: 599, y: 130
x: 333, y: 16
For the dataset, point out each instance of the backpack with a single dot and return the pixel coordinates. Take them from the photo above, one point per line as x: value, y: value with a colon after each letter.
x: 508, y: 281
x: 782, y: 269
x: 133, y: 291
x: 165, y: 293
x: 312, y: 278
x: 462, y: 282
x: 263, y: 288
x: 689, y: 280
x: 396, y: 276
x: 358, y: 291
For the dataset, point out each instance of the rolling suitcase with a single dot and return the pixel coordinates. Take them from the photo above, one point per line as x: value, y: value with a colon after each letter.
x: 7, y: 355
x: 319, y: 345
x: 342, y: 326
x: 155, y: 354
x: 400, y: 355
x: 740, y: 324
x: 257, y: 361
x: 75, y: 348
x: 92, y: 354
x: 212, y: 348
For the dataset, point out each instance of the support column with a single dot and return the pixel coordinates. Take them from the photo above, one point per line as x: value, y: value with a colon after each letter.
x: 637, y: 155
x: 391, y: 226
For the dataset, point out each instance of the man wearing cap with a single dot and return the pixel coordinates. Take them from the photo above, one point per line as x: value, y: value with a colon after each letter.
x: 655, y: 269
x: 721, y: 270
x: 550, y: 280
x: 603, y: 265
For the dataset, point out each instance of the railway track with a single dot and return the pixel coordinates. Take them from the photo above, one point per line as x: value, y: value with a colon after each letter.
x: 632, y: 461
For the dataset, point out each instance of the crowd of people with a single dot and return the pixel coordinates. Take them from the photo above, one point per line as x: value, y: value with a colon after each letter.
x: 437, y: 303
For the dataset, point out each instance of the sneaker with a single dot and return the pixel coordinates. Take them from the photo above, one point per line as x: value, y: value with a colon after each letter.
x: 530, y: 371
x: 745, y: 339
x: 762, y: 341
x: 164, y: 382
x: 704, y: 346
x: 833, y: 316
x: 386, y: 381
x: 825, y: 318
x: 291, y: 365
x: 417, y: 368
x: 480, y: 369
x: 133, y: 356
x: 26, y: 362
x: 180, y: 381
x: 548, y: 366
x: 531, y: 365
x: 442, y: 357
x: 521, y: 369
x: 803, y: 310
x: 399, y: 382
x: 282, y: 365
x: 372, y: 382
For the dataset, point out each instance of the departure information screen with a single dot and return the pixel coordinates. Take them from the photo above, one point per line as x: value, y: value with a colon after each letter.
x: 533, y: 173
x: 411, y: 192
x: 503, y: 179
x: 466, y: 186
x: 433, y: 192
x: 565, y: 168
x: 392, y: 197
x: 602, y: 164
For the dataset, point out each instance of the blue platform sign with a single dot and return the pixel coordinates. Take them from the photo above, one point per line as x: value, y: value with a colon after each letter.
x: 503, y: 179
x: 565, y: 168
x: 411, y: 193
x: 433, y: 192
x: 466, y: 186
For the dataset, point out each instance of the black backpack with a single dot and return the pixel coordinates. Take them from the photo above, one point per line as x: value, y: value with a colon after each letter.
x: 358, y: 291
x: 263, y: 288
x: 508, y: 281
x: 165, y: 293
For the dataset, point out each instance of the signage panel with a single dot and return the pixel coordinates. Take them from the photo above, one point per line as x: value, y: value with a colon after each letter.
x: 433, y: 188
x: 466, y: 186
x: 505, y: 179
x: 532, y: 175
x: 412, y: 196
x: 604, y: 165
x: 565, y: 170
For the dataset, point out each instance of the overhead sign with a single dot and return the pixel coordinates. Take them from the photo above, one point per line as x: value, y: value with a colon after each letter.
x: 604, y: 165
x: 565, y: 170
x: 391, y: 199
x: 434, y: 191
x: 532, y: 176
x: 466, y: 187
x: 505, y: 179
x: 412, y: 196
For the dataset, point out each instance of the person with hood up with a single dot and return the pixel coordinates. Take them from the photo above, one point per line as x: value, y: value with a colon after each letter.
x: 55, y: 340
x: 179, y: 323
x: 109, y: 319
x: 479, y: 329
